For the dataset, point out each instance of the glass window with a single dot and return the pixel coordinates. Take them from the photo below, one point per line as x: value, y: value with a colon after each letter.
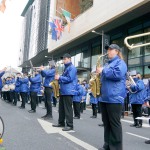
x: 73, y: 60
x: 78, y: 60
x: 147, y: 59
x: 137, y: 52
x: 146, y: 72
x: 147, y: 40
x: 138, y: 69
x: 86, y: 58
x: 135, y: 61
x: 95, y: 53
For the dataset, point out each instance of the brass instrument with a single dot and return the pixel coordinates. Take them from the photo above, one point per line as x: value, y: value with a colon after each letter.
x: 94, y: 82
x: 55, y: 84
x: 130, y: 82
x: 130, y: 47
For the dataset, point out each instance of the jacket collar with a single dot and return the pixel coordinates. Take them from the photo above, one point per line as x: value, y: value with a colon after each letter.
x: 113, y: 59
x: 68, y: 64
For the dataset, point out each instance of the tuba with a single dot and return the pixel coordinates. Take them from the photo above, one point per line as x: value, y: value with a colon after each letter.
x: 94, y: 82
x: 55, y: 84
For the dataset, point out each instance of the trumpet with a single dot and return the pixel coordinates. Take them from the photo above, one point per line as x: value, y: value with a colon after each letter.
x: 132, y: 46
x: 130, y: 82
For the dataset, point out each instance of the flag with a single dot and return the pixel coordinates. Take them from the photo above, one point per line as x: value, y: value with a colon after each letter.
x: 59, y: 28
x: 3, y: 6
x: 54, y: 32
x: 67, y: 15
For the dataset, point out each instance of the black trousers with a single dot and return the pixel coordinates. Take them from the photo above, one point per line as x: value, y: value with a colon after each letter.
x: 54, y: 101
x: 94, y: 110
x: 76, y: 108
x: 12, y: 96
x: 24, y: 97
x: 99, y: 107
x: 16, y: 95
x: 8, y: 96
x: 40, y: 99
x: 5, y: 95
x: 137, y: 112
x: 65, y: 110
x: 84, y: 105
x: 81, y: 107
x: 33, y: 100
x: 48, y: 104
x: 111, y: 114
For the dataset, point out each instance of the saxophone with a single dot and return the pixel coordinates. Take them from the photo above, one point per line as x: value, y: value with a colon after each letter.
x: 94, y: 82
x: 55, y: 85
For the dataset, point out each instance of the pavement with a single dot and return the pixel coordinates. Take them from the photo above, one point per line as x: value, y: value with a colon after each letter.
x: 25, y: 131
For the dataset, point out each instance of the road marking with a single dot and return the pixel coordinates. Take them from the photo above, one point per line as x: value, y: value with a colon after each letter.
x: 143, y: 125
x: 47, y: 126
x: 144, y: 118
x: 138, y: 136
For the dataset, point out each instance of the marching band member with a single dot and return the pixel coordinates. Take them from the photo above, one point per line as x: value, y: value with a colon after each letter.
x: 24, y: 88
x: 34, y: 88
x: 113, y: 90
x: 93, y: 101
x: 76, y: 100
x: 86, y: 86
x: 83, y: 102
x: 7, y: 83
x: 2, y: 72
x: 67, y: 81
x: 137, y: 94
x: 17, y: 89
x: 49, y: 77
x: 12, y: 88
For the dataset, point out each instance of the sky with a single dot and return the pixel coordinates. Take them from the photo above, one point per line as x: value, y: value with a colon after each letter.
x: 10, y: 32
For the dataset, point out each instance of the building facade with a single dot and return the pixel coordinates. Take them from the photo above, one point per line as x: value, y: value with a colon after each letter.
x: 122, y: 19
x: 34, y: 32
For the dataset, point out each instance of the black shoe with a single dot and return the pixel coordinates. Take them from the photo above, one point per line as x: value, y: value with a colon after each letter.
x: 139, y: 126
x: 21, y: 107
x: 93, y: 117
x: 76, y: 117
x: 58, y: 125
x: 101, y: 125
x: 147, y: 142
x: 44, y: 116
x: 48, y: 118
x: 101, y: 148
x: 32, y: 111
x: 67, y: 129
x: 105, y: 147
x: 133, y: 125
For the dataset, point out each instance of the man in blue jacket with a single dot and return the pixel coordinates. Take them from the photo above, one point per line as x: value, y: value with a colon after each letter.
x: 17, y: 89
x: 49, y: 77
x: 34, y: 88
x: 76, y: 100
x: 2, y: 72
x: 68, y: 82
x: 24, y: 87
x: 136, y: 96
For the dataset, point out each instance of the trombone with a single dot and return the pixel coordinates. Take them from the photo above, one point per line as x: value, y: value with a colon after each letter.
x: 132, y: 46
